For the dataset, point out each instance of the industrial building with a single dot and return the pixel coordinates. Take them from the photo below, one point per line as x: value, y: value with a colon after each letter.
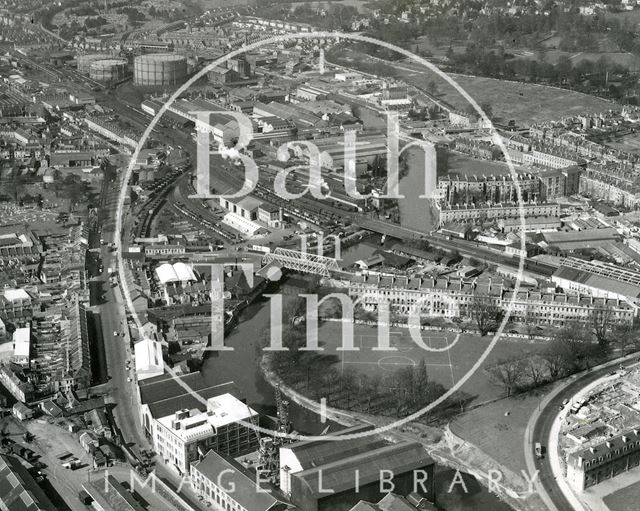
x: 159, y: 70
x: 185, y: 435
x: 322, y: 476
x: 162, y: 396
x: 107, y: 493
x: 599, y: 279
x: 108, y: 70
x: 569, y: 241
x: 18, y: 490
x: 84, y: 61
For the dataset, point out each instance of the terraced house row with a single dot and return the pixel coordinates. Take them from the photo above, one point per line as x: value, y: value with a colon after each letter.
x: 455, y: 297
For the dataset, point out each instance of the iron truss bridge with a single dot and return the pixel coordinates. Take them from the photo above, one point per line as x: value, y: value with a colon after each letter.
x: 302, y: 262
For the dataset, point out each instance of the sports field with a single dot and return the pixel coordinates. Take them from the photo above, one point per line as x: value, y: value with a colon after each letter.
x: 456, y: 354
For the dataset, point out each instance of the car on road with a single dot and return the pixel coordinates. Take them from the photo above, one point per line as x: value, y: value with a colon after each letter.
x: 129, y: 379
x: 115, y: 333
x: 72, y: 464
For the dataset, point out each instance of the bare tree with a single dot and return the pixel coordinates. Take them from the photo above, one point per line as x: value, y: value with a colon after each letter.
x: 626, y: 337
x: 556, y: 356
x: 486, y: 313
x: 601, y: 320
x: 529, y: 322
x: 535, y: 368
x: 508, y: 373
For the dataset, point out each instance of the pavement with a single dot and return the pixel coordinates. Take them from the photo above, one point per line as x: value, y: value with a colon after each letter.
x: 550, y: 483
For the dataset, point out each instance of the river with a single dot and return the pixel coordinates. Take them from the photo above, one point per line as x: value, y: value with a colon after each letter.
x: 241, y: 366
x: 415, y: 212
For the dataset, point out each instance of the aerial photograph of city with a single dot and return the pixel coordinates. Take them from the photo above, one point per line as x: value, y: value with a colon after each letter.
x: 320, y: 255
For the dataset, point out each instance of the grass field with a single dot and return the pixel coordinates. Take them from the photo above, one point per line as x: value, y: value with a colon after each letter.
x: 470, y: 166
x: 523, y: 102
x: 498, y: 428
x: 625, y: 499
x: 446, y: 367
x: 629, y: 143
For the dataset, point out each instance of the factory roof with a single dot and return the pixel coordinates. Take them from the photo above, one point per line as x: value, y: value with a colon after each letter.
x: 164, y: 394
x: 340, y: 475
x: 18, y: 490
x: 313, y: 453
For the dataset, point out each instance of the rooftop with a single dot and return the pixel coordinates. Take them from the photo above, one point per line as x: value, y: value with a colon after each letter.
x: 339, y: 475
x: 18, y: 490
x: 215, y: 467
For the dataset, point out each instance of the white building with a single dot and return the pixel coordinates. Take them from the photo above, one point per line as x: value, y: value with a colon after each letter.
x: 187, y: 435
x: 148, y: 356
x: 21, y: 346
x: 178, y: 272
x: 225, y: 484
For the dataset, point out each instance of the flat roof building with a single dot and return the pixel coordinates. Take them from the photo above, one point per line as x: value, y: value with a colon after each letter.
x: 185, y: 435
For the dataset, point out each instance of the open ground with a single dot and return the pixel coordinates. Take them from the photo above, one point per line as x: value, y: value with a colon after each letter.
x: 522, y: 102
x: 624, y: 499
x: 445, y: 367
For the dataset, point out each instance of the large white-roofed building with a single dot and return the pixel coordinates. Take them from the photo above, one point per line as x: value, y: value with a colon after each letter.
x: 184, y: 272
x: 21, y: 346
x: 149, y: 362
x: 178, y: 272
x: 16, y: 295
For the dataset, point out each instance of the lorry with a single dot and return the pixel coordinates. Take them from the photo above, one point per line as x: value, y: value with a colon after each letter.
x: 538, y: 449
x: 72, y: 464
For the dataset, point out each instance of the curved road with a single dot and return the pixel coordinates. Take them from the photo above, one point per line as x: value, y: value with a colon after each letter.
x: 542, y: 421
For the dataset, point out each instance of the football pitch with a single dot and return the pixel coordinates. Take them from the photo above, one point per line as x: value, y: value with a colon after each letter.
x: 448, y: 356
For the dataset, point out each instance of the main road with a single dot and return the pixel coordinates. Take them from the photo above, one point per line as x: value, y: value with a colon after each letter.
x: 117, y: 348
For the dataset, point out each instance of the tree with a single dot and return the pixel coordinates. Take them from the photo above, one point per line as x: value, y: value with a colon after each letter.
x: 420, y: 383
x: 601, y: 319
x: 530, y: 324
x: 487, y: 109
x: 535, y: 369
x: 627, y: 337
x: 571, y: 348
x: 557, y: 357
x: 508, y: 373
x: 348, y: 384
x: 485, y: 313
